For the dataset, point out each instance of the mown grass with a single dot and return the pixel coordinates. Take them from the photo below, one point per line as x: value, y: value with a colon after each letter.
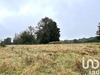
x: 50, y: 59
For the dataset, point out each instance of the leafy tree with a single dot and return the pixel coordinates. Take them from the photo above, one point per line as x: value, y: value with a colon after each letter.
x: 7, y: 41
x: 2, y: 44
x: 47, y: 31
x: 44, y: 38
x: 82, y: 40
x: 75, y: 41
x: 26, y: 37
x: 31, y: 30
x: 16, y: 38
x: 98, y: 32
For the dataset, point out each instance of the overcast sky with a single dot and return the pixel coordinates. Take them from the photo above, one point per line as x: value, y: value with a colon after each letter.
x: 76, y: 18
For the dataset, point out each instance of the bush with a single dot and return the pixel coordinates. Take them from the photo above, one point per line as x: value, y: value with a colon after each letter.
x: 2, y: 44
x: 55, y: 42
x: 98, y: 37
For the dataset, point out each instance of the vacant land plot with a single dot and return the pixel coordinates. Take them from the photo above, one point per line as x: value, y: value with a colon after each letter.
x: 50, y: 59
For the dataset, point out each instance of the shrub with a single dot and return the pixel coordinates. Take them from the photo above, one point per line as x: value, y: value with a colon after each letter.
x: 98, y: 37
x: 2, y: 44
x: 55, y: 42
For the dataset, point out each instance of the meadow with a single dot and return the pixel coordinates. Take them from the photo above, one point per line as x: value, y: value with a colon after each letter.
x: 49, y: 59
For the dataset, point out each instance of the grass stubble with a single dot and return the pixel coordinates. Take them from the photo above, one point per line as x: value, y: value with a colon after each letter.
x: 49, y: 59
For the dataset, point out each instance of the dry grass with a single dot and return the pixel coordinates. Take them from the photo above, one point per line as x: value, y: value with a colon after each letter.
x: 50, y: 59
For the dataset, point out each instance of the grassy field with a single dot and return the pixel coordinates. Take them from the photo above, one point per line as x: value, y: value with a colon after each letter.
x: 50, y: 59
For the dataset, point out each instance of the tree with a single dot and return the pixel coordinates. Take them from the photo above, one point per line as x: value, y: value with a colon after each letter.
x: 31, y: 30
x: 15, y: 39
x: 2, y: 44
x: 98, y: 32
x: 47, y: 31
x: 7, y: 41
x: 75, y: 41
x: 26, y: 37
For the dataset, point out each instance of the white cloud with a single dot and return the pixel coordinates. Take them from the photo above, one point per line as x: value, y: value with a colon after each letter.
x: 40, y: 7
x: 4, y: 14
x: 73, y: 2
x: 21, y: 13
x: 29, y: 9
x: 43, y: 7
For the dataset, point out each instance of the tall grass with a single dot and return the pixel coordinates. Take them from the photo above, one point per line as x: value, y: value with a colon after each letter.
x: 50, y: 59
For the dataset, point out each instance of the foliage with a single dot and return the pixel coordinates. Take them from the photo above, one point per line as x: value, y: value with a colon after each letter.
x: 98, y: 37
x: 98, y: 32
x: 47, y: 31
x: 55, y: 42
x: 75, y: 41
x: 2, y: 44
x: 26, y: 37
x: 16, y: 38
x: 83, y: 40
x: 7, y: 41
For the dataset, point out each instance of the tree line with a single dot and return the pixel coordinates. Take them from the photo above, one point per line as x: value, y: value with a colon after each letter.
x: 46, y: 31
x: 82, y: 40
x: 86, y: 40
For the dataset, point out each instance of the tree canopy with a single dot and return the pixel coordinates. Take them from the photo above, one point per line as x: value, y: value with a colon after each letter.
x: 98, y: 32
x: 26, y: 37
x: 47, y: 31
x: 7, y: 41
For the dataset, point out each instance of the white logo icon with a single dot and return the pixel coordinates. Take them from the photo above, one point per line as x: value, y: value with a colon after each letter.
x: 92, y: 63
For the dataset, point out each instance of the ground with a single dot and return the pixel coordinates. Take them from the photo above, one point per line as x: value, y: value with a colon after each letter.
x: 50, y: 59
